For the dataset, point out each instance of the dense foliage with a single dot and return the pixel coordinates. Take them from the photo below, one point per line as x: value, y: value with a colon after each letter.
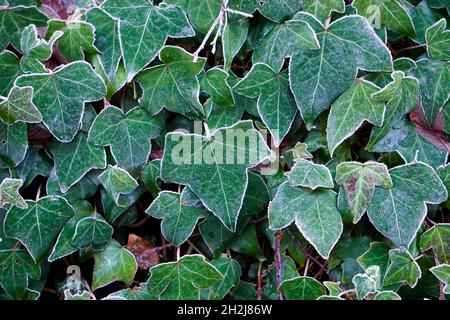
x: 224, y: 149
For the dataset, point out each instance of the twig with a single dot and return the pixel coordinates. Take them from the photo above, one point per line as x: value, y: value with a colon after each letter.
x: 441, y: 285
x: 151, y: 251
x: 300, y: 245
x: 178, y: 252
x: 411, y: 47
x: 278, y: 261
x: 306, y: 268
x: 260, y: 281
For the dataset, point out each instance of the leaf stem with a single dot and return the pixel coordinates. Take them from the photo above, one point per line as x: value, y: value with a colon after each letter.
x: 300, y: 245
x: 278, y: 260
x: 260, y: 280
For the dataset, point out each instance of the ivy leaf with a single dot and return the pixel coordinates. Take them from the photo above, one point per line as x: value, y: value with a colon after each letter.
x: 364, y: 285
x: 302, y: 288
x: 179, y: 216
x: 38, y: 226
x: 9, y: 70
x: 128, y: 134
x: 14, y: 144
x: 402, y: 268
x: 393, y: 14
x: 183, y: 279
x: 282, y: 41
x: 92, y: 233
x: 63, y: 246
x: 398, y: 212
x: 14, y: 20
x: 280, y: 10
x: 332, y: 69
x: 61, y: 94
x: 115, y: 263
x: 151, y: 176
x: 438, y: 239
x: 218, y: 182
x: 434, y: 80
x: 173, y: 85
x: 438, y: 41
x: 442, y: 272
x: 376, y: 255
x: 322, y: 9
x: 233, y: 38
x: 35, y: 50
x: 19, y: 107
x: 75, y: 159
x: 216, y: 85
x: 117, y: 181
x: 319, y: 221
x: 17, y: 269
x: 107, y: 40
x: 406, y: 140
x: 231, y: 271
x: 386, y: 295
x: 401, y: 96
x: 9, y: 193
x: 144, y: 29
x: 276, y: 105
x: 350, y: 110
x: 307, y: 174
x: 359, y: 181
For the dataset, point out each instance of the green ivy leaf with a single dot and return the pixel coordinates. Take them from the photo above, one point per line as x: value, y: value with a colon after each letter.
x: 14, y: 144
x: 350, y: 110
x: 9, y: 70
x: 183, y: 279
x: 234, y: 35
x: 38, y: 226
x: 92, y: 233
x: 280, y: 10
x: 231, y: 271
x: 216, y: 85
x: 219, y: 182
x: 113, y: 264
x: 128, y: 134
x: 442, y: 272
x: 60, y: 96
x: 398, y: 212
x: 401, y: 96
x: 319, y: 221
x: 438, y: 239
x: 9, y: 193
x: 75, y: 159
x: 386, y: 295
x: 276, y: 105
x: 14, y: 20
x: 359, y: 181
x: 402, y: 268
x: 19, y: 107
x: 307, y: 174
x: 376, y: 255
x: 285, y: 40
x: 173, y: 85
x: 332, y: 70
x: 364, y: 285
x: 117, y: 181
x: 144, y: 29
x: 17, y: 269
x: 302, y: 288
x: 438, y: 41
x: 179, y: 216
x: 323, y: 8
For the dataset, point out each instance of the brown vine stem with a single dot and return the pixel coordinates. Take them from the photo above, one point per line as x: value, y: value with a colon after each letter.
x: 409, y: 48
x: 157, y: 249
x: 260, y: 281
x: 441, y: 285
x: 300, y: 245
x: 278, y: 260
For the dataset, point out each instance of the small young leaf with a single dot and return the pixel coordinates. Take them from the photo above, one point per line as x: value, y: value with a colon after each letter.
x: 117, y: 181
x: 307, y: 174
x: 402, y: 268
x: 438, y: 41
x: 19, y: 107
x: 9, y: 193
x: 92, y: 233
x: 364, y: 285
x: 216, y: 85
x: 231, y: 271
x: 442, y: 272
x: 302, y: 288
x: 438, y: 239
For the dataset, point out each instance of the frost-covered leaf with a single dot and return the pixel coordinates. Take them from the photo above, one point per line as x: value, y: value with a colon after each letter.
x: 75, y: 159
x: 386, y: 295
x: 215, y: 167
x: 284, y: 40
x: 128, y: 135
x: 350, y: 110
x: 308, y: 174
x: 92, y: 233
x: 359, y: 181
x: 276, y: 104
x: 442, y: 272
x: 9, y: 193
x: 144, y: 29
x: 216, y: 85
x: 60, y: 96
x: 14, y: 20
x: 115, y: 263
x: 438, y: 239
x: 231, y: 271
x: 38, y: 226
x: 117, y: 181
x: 13, y: 144
x: 376, y: 255
x: 402, y: 96
x: 402, y: 268
x: 183, y: 279
x: 318, y: 77
x: 323, y: 8
x: 392, y: 14
x: 302, y: 288
x: 19, y: 107
x: 17, y: 269
x: 233, y: 38
x: 398, y: 212
x: 280, y: 10
x: 438, y: 41
x: 173, y: 85
x: 319, y: 220
x: 179, y: 216
x: 9, y: 70
x: 364, y: 285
